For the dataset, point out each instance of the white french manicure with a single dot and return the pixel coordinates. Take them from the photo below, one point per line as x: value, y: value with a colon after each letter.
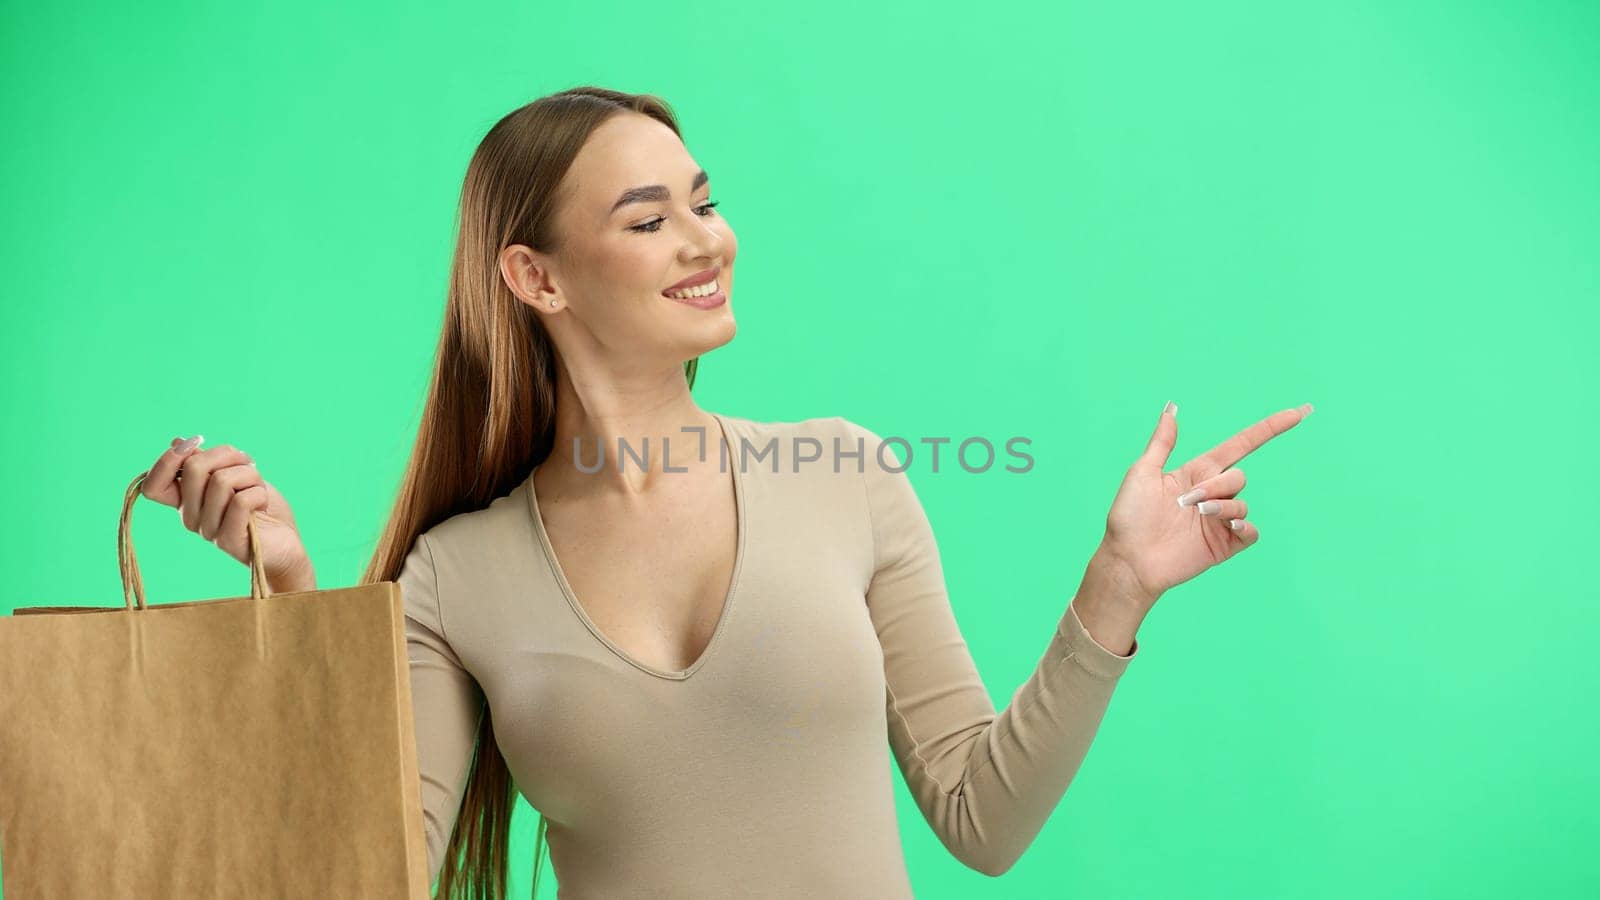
x: 1188, y: 498
x: 1209, y: 508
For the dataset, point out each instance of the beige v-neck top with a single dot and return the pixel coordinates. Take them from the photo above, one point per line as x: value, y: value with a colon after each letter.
x: 761, y: 770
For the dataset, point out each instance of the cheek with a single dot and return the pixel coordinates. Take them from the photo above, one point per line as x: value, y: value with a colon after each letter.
x: 630, y: 269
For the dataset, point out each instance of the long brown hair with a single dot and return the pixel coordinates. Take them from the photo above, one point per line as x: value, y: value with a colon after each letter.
x: 489, y: 416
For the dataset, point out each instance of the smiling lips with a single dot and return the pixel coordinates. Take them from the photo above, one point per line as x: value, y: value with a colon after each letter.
x: 705, y: 296
x: 698, y: 278
x: 702, y: 290
x: 699, y: 290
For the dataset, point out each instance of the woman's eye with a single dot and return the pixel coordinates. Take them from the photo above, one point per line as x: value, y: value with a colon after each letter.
x: 655, y: 224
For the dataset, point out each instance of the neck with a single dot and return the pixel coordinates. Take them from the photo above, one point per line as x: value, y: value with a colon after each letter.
x: 618, y: 441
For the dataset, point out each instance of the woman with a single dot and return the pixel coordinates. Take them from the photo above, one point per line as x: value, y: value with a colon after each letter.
x: 690, y: 661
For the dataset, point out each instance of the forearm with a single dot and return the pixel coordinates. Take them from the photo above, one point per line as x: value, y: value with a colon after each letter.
x: 988, y: 792
x: 1109, y: 603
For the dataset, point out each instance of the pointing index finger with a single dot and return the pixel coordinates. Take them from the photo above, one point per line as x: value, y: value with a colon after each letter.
x: 1250, y: 439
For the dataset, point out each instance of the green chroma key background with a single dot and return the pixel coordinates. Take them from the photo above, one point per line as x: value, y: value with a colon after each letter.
x: 1032, y: 219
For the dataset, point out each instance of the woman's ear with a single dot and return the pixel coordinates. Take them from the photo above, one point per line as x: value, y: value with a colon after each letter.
x: 525, y: 274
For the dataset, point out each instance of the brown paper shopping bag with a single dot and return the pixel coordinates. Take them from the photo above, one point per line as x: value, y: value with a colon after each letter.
x: 259, y: 746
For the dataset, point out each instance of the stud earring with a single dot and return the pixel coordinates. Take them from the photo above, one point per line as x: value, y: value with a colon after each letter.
x: 552, y: 303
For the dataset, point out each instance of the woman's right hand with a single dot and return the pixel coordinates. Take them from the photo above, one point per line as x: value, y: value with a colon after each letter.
x: 215, y: 491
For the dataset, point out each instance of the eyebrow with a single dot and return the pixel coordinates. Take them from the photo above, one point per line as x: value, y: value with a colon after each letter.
x: 653, y: 192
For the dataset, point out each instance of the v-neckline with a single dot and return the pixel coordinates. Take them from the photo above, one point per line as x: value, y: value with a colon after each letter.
x: 727, y: 600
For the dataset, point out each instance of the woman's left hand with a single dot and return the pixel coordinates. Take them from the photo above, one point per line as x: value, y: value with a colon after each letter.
x: 1160, y: 530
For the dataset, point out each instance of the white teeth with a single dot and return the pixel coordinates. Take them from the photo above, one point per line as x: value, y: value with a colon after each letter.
x: 703, y: 290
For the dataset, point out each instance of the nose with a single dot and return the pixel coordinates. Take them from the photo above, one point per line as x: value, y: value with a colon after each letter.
x: 703, y: 241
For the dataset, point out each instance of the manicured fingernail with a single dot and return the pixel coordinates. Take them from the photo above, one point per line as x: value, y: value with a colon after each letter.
x: 190, y: 444
x: 1171, y: 408
x: 1190, y: 497
x: 1236, y: 524
x: 1307, y: 411
x: 1209, y: 508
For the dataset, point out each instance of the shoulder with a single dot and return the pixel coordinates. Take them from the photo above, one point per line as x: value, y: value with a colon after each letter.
x: 870, y: 439
x: 850, y: 445
x: 816, y: 426
x: 505, y: 520
x: 484, y: 564
x: 819, y: 427
x: 777, y: 441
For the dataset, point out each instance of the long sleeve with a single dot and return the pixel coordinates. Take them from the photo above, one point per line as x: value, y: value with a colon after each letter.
x: 985, y: 783
x: 446, y: 703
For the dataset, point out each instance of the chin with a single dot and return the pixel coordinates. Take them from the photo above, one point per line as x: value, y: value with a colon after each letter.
x: 710, y: 335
